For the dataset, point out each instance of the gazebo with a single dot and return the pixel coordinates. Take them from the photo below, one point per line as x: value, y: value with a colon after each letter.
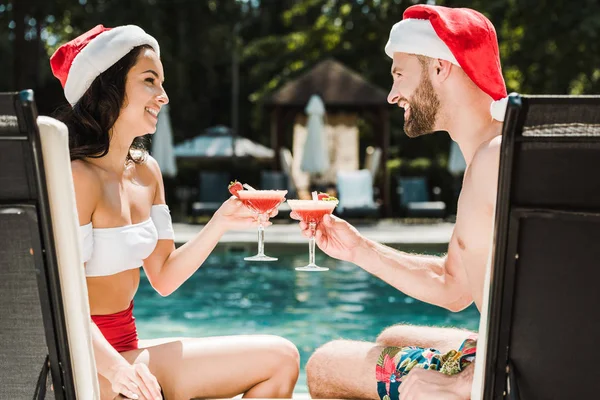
x: 343, y: 91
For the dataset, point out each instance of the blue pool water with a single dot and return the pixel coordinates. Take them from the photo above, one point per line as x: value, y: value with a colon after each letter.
x: 229, y: 296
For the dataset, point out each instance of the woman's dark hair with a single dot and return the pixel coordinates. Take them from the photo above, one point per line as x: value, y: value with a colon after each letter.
x: 94, y: 115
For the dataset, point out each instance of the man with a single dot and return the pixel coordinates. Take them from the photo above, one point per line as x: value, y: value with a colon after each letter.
x: 446, y: 76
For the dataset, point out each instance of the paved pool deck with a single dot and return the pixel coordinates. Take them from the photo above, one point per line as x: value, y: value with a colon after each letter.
x: 394, y: 233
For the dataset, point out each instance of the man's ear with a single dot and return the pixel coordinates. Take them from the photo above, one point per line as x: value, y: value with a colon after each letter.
x: 441, y: 69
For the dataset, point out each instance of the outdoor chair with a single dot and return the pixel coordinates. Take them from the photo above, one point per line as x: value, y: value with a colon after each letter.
x: 286, y: 161
x: 212, y: 192
x: 540, y: 325
x: 355, y: 194
x: 44, y: 312
x: 413, y: 193
x: 373, y: 160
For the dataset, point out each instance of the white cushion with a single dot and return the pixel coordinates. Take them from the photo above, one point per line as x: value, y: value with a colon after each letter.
x: 355, y: 189
x: 57, y: 165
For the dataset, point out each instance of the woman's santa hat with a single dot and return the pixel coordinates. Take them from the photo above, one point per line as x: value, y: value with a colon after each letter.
x: 460, y: 35
x: 77, y: 63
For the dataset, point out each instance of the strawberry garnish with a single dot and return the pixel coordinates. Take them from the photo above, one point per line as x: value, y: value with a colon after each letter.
x: 234, y: 187
x: 326, y: 197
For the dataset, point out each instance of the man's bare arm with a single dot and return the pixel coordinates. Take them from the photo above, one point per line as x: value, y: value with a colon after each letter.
x: 457, y: 280
x: 435, y: 280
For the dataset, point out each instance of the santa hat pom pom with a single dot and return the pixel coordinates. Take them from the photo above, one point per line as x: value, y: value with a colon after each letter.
x: 498, y: 108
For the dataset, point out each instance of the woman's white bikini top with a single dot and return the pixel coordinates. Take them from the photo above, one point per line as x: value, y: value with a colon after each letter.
x: 108, y: 251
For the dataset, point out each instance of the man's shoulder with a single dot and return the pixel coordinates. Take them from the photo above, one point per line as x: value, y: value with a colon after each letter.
x: 486, y: 159
x: 481, y: 178
x: 488, y: 149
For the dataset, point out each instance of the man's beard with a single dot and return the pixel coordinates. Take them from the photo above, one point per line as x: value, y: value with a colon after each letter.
x: 423, y: 110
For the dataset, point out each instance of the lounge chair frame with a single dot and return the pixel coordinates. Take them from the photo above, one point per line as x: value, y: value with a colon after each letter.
x: 529, y: 201
x: 31, y: 201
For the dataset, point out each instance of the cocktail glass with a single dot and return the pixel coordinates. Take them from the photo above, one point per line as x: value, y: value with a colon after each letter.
x: 312, y: 213
x: 262, y: 202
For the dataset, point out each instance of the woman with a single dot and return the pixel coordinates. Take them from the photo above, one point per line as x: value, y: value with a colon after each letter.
x: 113, y: 79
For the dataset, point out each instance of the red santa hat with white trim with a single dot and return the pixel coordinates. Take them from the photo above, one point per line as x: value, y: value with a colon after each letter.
x: 462, y: 36
x: 77, y: 63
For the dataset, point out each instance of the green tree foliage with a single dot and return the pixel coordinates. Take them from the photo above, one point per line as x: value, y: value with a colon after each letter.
x: 552, y: 46
x: 547, y: 46
x: 195, y: 39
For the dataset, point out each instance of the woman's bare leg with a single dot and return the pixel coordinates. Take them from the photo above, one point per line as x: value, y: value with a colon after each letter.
x: 256, y: 365
x: 106, y: 392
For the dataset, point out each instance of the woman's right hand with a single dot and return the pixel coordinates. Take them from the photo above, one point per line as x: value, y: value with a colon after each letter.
x: 135, y: 382
x: 334, y: 236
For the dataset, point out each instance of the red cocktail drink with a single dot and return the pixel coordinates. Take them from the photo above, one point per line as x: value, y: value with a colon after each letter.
x: 312, y: 213
x: 261, y: 202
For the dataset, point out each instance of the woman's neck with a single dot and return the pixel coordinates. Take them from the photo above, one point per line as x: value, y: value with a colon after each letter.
x: 115, y: 160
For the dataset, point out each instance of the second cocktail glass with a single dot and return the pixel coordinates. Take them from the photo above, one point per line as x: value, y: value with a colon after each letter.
x: 261, y: 202
x: 312, y: 213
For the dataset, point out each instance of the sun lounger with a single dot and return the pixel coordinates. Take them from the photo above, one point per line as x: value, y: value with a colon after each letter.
x: 373, y: 160
x: 414, y: 198
x: 540, y: 317
x: 44, y: 313
x: 286, y: 160
x: 212, y: 192
x: 355, y: 194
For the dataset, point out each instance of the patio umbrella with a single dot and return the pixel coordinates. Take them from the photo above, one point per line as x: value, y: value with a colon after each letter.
x: 315, y: 154
x: 162, y: 144
x: 218, y: 143
x: 456, y: 161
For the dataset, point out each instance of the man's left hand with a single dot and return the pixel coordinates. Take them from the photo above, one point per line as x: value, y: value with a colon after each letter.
x: 421, y: 384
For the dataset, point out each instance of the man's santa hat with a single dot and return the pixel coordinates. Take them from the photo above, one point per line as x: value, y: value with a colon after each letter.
x: 77, y: 63
x: 460, y: 35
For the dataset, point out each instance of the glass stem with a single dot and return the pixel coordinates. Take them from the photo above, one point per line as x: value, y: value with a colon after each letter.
x: 311, y: 244
x: 261, y: 236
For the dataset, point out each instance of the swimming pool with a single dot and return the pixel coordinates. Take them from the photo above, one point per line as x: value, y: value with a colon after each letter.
x: 229, y: 296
